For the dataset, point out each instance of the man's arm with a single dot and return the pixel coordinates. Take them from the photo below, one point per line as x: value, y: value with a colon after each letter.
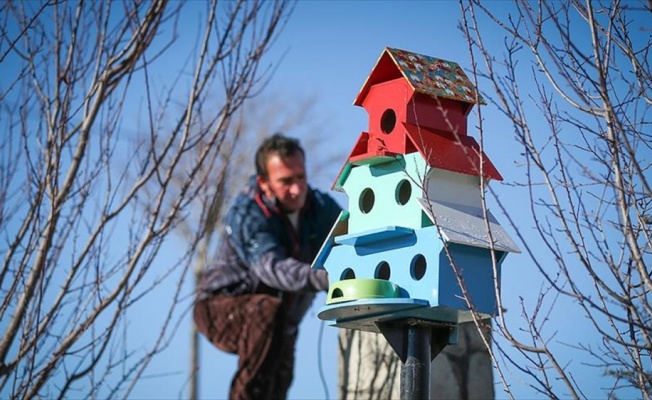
x: 260, y: 248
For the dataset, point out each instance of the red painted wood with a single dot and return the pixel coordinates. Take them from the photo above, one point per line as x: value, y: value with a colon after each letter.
x: 384, y: 70
x: 410, y: 107
x: 437, y: 114
x: 386, y: 97
x: 449, y: 152
x: 429, y: 100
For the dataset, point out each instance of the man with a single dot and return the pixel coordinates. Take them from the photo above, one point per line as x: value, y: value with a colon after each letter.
x: 252, y: 300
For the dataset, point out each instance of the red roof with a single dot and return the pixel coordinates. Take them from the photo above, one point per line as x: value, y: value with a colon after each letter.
x: 443, y: 150
x: 457, y: 153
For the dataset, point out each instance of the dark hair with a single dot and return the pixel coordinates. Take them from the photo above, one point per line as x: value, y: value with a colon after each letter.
x: 275, y: 144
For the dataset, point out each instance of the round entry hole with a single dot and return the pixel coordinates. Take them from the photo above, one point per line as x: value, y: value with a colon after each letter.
x: 388, y: 121
x: 418, y: 267
x: 348, y: 273
x: 383, y: 271
x: 367, y: 199
x: 403, y: 192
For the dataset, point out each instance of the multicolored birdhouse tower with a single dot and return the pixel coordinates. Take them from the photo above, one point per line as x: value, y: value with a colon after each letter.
x: 415, y: 241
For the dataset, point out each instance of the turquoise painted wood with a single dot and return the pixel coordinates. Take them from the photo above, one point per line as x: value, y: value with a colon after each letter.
x: 366, y: 313
x: 392, y: 260
x: 385, y: 194
x: 338, y: 228
x: 475, y: 267
x: 374, y: 236
x: 419, y: 265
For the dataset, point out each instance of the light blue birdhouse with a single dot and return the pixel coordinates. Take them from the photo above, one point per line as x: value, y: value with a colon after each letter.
x: 415, y: 241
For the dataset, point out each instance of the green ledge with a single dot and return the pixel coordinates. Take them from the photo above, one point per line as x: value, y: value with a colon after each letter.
x: 356, y: 289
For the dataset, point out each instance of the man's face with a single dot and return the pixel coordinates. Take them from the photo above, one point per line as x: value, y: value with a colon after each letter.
x: 286, y: 181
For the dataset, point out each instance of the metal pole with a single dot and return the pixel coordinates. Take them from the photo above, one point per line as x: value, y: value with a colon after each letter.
x: 415, y: 371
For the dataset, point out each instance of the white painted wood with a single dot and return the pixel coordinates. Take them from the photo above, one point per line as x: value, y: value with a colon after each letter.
x: 466, y: 225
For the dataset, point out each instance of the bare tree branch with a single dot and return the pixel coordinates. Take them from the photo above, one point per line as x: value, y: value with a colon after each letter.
x: 87, y: 200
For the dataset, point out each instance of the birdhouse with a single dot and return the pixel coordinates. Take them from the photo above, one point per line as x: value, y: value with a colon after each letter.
x: 415, y: 241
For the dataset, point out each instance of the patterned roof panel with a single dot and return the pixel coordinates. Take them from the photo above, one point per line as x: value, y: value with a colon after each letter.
x: 435, y: 77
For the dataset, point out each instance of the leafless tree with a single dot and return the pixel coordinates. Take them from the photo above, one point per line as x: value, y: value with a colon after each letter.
x: 573, y: 80
x: 98, y: 125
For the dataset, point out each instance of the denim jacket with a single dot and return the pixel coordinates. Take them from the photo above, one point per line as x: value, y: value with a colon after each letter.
x: 262, y: 253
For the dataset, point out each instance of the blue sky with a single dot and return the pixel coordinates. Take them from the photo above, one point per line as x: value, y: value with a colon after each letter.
x: 327, y: 50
